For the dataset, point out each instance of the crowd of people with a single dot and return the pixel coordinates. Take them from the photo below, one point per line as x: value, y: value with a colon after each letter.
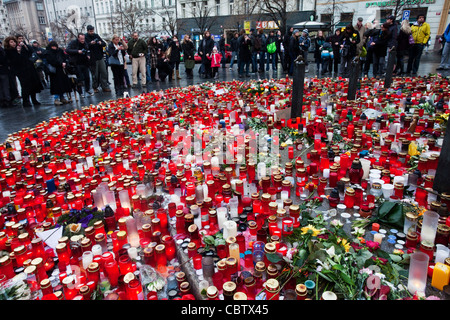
x: 82, y: 67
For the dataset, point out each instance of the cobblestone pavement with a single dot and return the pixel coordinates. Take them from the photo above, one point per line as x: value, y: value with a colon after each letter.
x: 16, y: 118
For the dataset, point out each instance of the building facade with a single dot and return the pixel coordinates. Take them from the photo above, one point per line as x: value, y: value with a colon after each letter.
x: 29, y: 18
x: 4, y: 21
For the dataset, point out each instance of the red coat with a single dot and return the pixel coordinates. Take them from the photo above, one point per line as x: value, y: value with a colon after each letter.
x: 215, y: 59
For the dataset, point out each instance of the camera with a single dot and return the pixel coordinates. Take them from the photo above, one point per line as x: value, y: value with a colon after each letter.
x: 84, y: 51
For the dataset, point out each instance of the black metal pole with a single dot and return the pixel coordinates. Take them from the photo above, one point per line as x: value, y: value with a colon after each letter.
x: 298, y: 83
x: 392, y: 58
x: 441, y: 179
x: 355, y: 70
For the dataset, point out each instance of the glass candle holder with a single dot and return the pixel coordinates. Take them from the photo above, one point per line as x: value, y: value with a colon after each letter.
x: 429, y: 226
x: 418, y: 269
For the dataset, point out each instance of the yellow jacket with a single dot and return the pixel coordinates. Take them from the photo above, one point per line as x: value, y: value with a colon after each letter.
x: 421, y: 34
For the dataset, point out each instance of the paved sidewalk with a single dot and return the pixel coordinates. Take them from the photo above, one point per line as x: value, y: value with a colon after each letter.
x: 14, y: 119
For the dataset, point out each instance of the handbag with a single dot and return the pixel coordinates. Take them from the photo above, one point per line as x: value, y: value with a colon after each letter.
x: 51, y: 69
x: 113, y: 60
x: 189, y: 64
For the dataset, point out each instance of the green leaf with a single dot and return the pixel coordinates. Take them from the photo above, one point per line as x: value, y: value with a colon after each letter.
x: 273, y: 257
x: 347, y: 279
x: 338, y: 267
x: 395, y: 257
x: 209, y: 240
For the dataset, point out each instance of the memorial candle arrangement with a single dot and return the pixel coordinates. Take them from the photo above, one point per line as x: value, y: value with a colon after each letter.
x: 214, y: 187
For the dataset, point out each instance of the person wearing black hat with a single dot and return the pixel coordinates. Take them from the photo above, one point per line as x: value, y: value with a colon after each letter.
x: 97, y: 63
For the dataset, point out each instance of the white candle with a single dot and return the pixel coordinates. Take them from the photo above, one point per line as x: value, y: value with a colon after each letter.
x: 87, y: 258
x: 96, y: 250
x: 229, y: 229
x: 221, y: 216
x: 132, y: 252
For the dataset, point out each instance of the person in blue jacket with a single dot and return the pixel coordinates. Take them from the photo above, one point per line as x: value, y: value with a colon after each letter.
x: 445, y: 59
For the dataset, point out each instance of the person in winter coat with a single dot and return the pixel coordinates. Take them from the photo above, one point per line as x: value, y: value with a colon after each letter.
x: 335, y: 41
x: 380, y: 45
x: 188, y: 48
x: 349, y: 40
x: 245, y: 54
x: 305, y: 43
x: 263, y: 51
x: 79, y: 57
x: 402, y: 46
x: 59, y: 81
x: 286, y: 43
x: 117, y: 51
x: 37, y: 56
x: 271, y: 56
x: 164, y: 67
x: 137, y: 49
x: 294, y: 50
x: 222, y: 51
x: 234, y: 46
x: 369, y: 56
x: 97, y: 62
x: 420, y: 31
x: 5, y: 92
x: 279, y: 56
x: 175, y: 56
x: 19, y: 56
x: 216, y: 58
x: 445, y: 59
x: 204, y: 51
x: 154, y: 48
x: 319, y: 41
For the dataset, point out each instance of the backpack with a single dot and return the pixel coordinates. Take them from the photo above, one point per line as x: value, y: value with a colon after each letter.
x: 272, y: 47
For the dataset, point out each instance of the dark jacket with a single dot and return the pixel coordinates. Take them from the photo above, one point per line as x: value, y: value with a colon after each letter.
x: 4, y: 64
x: 96, y: 48
x: 153, y: 49
x: 403, y: 41
x: 222, y: 44
x: 175, y: 54
x: 22, y: 66
x: 245, y: 54
x: 393, y: 35
x: 188, y: 50
x: 381, y: 40
x: 137, y: 47
x: 336, y: 47
x: 294, y: 47
x: 76, y: 58
x: 234, y: 45
x: 318, y: 43
x: 286, y: 41
x: 59, y: 81
x: 164, y: 68
x: 205, y: 47
x: 350, y: 46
